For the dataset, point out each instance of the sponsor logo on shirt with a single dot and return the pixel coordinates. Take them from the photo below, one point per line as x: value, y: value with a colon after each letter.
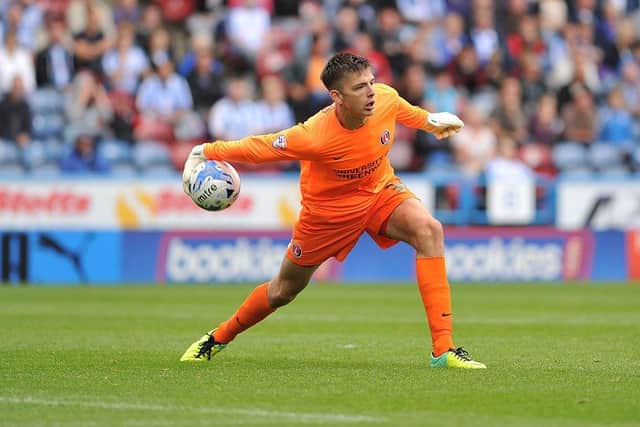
x: 280, y: 142
x: 360, y: 171
x: 385, y: 137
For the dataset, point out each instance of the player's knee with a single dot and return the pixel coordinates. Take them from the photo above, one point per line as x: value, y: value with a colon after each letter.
x: 428, y: 232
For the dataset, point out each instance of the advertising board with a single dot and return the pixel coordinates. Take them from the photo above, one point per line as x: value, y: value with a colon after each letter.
x: 484, y: 254
x: 179, y: 256
x: 599, y: 205
x: 264, y: 204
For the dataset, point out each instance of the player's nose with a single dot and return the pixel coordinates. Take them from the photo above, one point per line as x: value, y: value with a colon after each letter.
x: 370, y: 91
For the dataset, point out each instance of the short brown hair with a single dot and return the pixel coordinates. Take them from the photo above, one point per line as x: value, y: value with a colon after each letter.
x: 341, y: 64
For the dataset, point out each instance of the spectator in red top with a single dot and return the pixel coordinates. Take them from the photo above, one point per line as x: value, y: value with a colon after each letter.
x: 525, y: 39
x: 176, y: 11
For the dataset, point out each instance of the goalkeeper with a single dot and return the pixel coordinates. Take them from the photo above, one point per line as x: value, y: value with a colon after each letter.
x: 348, y: 187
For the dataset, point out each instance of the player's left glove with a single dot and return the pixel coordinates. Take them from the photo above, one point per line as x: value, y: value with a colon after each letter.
x: 443, y: 125
x: 195, y: 158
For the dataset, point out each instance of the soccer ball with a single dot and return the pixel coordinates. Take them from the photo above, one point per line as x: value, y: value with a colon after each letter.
x: 214, y: 185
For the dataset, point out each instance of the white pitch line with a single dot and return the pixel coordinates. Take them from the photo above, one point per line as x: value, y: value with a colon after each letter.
x: 304, y: 417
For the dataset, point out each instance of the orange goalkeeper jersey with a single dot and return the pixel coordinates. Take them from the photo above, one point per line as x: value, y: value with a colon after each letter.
x: 341, y: 169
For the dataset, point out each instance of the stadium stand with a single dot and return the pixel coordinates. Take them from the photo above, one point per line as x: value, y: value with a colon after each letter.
x: 556, y: 77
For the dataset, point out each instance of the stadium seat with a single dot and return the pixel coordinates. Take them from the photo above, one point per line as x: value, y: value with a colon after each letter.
x: 8, y: 171
x: 54, y: 147
x: 45, y: 101
x: 123, y: 170
x: 160, y: 171
x: 440, y: 159
x: 35, y: 154
x: 41, y: 157
x: 147, y: 154
x: 577, y: 172
x: 619, y: 171
x: 635, y: 158
x: 47, y: 170
x: 9, y: 153
x: 569, y: 155
x: 116, y: 151
x: 48, y: 125
x: 604, y: 156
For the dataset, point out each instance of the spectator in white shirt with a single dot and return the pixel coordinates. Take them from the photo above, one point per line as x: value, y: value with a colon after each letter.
x: 235, y: 116
x: 126, y: 63
x: 484, y: 36
x: 15, y: 62
x: 165, y: 94
x: 165, y: 102
x: 419, y: 11
x: 273, y: 110
x: 475, y: 144
x: 506, y: 166
x: 247, y: 27
x: 26, y: 17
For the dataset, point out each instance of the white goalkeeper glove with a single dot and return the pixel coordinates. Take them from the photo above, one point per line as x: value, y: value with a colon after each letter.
x: 443, y: 125
x: 195, y: 158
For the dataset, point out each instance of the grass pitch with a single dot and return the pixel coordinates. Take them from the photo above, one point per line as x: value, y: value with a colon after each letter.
x: 558, y: 355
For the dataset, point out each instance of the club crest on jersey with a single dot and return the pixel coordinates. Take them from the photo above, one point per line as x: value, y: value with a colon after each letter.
x: 385, y: 137
x: 296, y: 250
x: 280, y: 142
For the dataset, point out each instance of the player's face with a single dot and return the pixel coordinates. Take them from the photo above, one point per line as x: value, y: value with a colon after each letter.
x: 356, y: 94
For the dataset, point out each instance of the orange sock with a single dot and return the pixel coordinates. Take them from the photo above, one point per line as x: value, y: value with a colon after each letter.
x: 436, y: 297
x: 254, y: 308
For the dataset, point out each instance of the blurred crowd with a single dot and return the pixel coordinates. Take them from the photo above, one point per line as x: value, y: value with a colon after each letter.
x: 128, y: 86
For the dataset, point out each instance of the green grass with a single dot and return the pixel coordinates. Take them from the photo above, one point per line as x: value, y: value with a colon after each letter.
x: 558, y: 355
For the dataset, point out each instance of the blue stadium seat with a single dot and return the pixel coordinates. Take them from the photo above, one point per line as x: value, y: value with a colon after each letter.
x: 160, y: 171
x: 9, y: 152
x: 147, y: 154
x: 9, y: 171
x: 46, y: 100
x: 42, y: 157
x: 36, y: 154
x: 123, y: 170
x: 47, y: 170
x: 116, y: 151
x: 604, y: 156
x: 569, y: 155
x: 439, y: 159
x: 577, y: 172
x: 619, y: 171
x: 48, y: 125
x: 635, y: 158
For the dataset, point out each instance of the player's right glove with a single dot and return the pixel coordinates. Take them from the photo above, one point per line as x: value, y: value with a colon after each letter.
x: 443, y: 125
x: 195, y: 158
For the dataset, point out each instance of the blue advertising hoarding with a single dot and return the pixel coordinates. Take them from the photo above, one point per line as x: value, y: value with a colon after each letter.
x: 64, y: 257
x: 473, y: 254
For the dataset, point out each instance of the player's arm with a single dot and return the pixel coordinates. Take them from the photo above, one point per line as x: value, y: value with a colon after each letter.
x: 442, y: 125
x: 290, y: 144
x: 294, y: 143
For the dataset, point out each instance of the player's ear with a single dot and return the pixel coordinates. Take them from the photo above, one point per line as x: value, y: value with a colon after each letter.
x: 336, y: 96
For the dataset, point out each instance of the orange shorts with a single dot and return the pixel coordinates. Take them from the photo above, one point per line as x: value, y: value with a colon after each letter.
x: 316, y: 239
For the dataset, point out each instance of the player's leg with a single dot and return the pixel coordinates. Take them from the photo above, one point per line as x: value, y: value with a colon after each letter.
x: 260, y: 303
x: 410, y: 222
x: 265, y: 299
